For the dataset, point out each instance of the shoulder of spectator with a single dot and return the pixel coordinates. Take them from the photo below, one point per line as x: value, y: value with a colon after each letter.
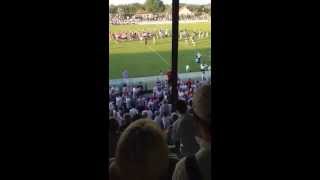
x: 113, y: 171
x: 180, y: 172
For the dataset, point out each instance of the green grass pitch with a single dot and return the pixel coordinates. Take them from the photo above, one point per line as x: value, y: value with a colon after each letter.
x: 141, y: 60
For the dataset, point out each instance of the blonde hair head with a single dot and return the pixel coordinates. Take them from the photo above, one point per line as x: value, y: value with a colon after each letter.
x: 142, y: 151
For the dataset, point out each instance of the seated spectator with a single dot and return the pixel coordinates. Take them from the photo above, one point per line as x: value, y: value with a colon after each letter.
x: 183, y: 131
x: 119, y: 118
x: 141, y: 154
x: 198, y: 166
x: 158, y: 121
x: 136, y: 117
x: 144, y: 114
x: 113, y: 136
x: 133, y: 112
x: 164, y: 108
x: 150, y: 114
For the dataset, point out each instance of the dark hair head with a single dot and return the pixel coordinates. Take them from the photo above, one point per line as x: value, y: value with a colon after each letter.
x: 181, y: 106
x: 144, y: 114
x: 174, y: 117
x: 113, y: 124
x: 127, y: 117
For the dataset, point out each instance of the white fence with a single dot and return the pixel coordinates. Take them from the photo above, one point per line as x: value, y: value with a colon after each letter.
x: 149, y: 82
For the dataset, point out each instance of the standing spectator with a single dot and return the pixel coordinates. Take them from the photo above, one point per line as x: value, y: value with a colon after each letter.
x: 118, y: 102
x: 128, y: 102
x: 174, y: 118
x: 199, y: 165
x: 166, y: 119
x: 164, y: 108
x: 125, y: 90
x: 184, y: 132
x: 189, y: 83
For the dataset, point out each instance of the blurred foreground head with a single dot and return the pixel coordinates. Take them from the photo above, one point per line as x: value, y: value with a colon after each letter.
x: 141, y: 154
x: 202, y: 112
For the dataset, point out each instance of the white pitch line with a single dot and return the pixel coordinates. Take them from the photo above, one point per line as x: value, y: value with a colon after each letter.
x: 159, y: 55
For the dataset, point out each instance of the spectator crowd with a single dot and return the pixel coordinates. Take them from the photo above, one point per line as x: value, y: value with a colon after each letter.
x: 148, y: 140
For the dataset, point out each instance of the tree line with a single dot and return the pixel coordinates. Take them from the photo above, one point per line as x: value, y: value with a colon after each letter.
x: 155, y: 6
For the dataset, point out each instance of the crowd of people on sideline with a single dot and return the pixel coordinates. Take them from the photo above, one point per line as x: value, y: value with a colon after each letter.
x: 139, y: 35
x: 143, y: 128
x: 116, y: 20
x: 186, y: 35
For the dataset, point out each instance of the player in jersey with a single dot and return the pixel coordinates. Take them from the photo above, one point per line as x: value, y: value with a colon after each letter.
x: 145, y: 41
x: 203, y: 75
x: 198, y: 57
x: 187, y: 68
x: 125, y: 77
x: 204, y: 67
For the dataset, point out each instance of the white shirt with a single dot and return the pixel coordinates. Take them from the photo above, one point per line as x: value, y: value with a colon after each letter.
x: 111, y: 106
x: 159, y: 93
x: 124, y: 89
x: 150, y: 114
x: 117, y: 90
x: 133, y: 112
x: 150, y: 104
x: 118, y: 101
x: 184, y: 87
x: 180, y: 93
x: 202, y: 66
x: 128, y: 100
x: 155, y: 89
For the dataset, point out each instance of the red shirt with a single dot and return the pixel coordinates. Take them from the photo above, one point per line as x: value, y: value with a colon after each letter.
x: 189, y: 83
